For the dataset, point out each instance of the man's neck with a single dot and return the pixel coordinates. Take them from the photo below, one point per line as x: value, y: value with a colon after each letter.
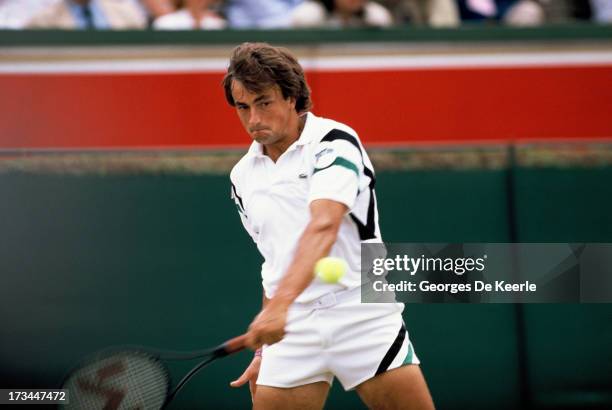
x: 274, y: 151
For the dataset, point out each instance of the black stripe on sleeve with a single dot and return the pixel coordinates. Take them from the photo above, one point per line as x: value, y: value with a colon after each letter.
x: 241, y: 205
x: 392, y: 352
x: 367, y: 230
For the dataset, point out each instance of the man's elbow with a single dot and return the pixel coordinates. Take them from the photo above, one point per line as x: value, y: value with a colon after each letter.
x: 325, y: 226
x: 325, y: 219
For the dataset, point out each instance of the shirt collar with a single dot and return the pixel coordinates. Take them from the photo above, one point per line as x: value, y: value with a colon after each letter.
x: 256, y: 149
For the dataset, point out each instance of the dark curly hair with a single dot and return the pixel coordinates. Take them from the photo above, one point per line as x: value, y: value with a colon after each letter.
x: 259, y: 65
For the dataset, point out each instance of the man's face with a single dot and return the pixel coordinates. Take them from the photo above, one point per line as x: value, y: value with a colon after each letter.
x: 266, y: 116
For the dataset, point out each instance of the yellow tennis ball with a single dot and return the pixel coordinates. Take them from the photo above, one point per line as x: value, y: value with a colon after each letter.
x: 330, y: 269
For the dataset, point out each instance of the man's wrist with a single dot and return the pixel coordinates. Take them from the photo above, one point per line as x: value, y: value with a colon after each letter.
x: 281, y: 301
x: 258, y: 352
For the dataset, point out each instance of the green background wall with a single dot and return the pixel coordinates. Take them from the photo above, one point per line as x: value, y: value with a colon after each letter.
x: 162, y: 260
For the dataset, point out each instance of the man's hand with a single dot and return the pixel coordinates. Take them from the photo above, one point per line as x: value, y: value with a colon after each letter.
x: 268, y: 327
x: 316, y: 241
x: 249, y: 375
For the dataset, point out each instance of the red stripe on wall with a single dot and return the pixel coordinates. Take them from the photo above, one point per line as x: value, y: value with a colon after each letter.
x: 386, y: 107
x: 471, y: 104
x: 66, y: 111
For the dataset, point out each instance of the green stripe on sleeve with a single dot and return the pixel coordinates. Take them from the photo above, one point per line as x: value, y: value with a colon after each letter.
x: 342, y: 162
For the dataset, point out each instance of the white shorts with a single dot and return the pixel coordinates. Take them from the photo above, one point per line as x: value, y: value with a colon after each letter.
x: 351, y: 340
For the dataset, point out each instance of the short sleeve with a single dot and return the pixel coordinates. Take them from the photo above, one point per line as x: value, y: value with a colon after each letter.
x: 338, y: 168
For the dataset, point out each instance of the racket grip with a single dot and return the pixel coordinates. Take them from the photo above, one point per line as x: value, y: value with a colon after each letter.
x: 232, y: 346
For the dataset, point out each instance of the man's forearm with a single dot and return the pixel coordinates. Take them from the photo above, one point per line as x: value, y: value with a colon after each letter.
x: 315, y: 243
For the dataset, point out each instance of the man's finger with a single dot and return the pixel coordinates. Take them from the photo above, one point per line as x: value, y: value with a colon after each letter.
x: 244, y: 377
x: 253, y: 341
x: 249, y: 341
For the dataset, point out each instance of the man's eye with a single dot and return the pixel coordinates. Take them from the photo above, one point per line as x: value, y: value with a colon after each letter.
x: 242, y: 107
x: 265, y: 103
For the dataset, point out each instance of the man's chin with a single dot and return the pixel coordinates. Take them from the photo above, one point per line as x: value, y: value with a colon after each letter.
x: 261, y: 138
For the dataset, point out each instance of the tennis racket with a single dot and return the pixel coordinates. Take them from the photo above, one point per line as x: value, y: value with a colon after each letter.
x: 135, y: 377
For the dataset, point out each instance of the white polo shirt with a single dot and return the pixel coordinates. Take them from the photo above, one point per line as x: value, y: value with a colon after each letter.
x: 326, y: 162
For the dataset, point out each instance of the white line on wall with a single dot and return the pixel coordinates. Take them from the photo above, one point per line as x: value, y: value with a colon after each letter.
x: 347, y: 63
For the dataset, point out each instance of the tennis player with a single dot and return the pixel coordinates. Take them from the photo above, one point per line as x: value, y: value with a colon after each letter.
x: 305, y: 190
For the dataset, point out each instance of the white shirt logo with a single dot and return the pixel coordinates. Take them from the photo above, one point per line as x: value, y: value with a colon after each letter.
x: 325, y: 158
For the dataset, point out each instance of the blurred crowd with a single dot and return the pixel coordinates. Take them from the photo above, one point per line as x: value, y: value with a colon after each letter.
x: 271, y: 14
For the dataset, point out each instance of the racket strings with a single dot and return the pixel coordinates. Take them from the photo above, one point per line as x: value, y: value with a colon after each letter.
x: 136, y: 382
x: 118, y: 378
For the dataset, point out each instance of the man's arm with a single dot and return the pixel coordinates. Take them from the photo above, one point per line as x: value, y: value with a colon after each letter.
x: 315, y: 243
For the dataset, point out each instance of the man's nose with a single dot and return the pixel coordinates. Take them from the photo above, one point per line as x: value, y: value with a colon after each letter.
x: 253, y: 118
